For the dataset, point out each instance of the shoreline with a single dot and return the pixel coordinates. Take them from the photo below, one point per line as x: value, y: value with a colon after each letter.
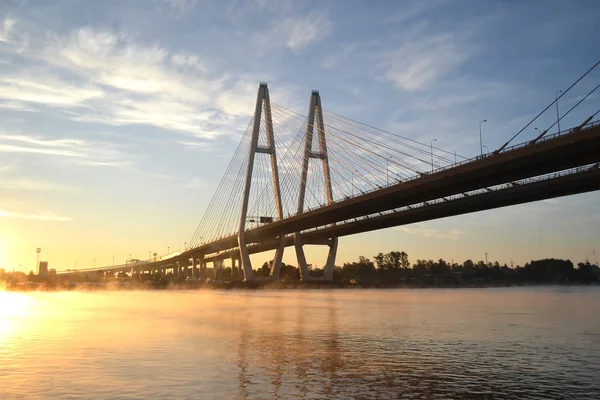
x: 265, y: 285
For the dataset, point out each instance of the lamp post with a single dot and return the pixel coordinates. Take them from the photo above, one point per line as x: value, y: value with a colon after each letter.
x: 94, y: 263
x: 486, y: 149
x: 387, y: 170
x: 37, y: 260
x: 480, y: 138
x: 168, y: 249
x: 113, y: 261
x: 149, y: 254
x: 557, y: 114
x: 434, y: 140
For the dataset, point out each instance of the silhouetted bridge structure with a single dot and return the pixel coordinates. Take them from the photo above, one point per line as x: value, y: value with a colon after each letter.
x: 338, y: 177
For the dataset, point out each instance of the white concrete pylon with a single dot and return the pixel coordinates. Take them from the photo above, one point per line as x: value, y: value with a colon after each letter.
x: 315, y: 113
x: 262, y: 103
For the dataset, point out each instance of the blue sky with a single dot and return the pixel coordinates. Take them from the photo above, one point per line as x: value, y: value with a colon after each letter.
x: 119, y: 117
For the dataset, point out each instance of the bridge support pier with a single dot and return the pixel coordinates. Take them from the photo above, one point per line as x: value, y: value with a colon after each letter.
x: 217, y: 269
x: 276, y: 264
x: 236, y: 272
x: 303, y: 265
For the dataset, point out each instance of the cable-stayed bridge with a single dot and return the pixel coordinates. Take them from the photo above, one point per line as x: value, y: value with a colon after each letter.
x: 299, y: 180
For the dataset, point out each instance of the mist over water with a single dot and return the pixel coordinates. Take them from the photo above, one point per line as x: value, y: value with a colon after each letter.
x: 527, y: 343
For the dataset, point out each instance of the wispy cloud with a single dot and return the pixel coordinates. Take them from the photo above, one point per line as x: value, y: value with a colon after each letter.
x: 418, y: 64
x: 16, y: 105
x: 86, y: 152
x: 37, y: 150
x: 32, y: 184
x: 299, y: 32
x: 45, y: 216
x: 181, y: 6
x: 6, y: 28
x: 422, y: 230
x: 45, y: 89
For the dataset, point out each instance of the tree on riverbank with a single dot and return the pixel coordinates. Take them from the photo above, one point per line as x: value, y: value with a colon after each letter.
x: 394, y: 268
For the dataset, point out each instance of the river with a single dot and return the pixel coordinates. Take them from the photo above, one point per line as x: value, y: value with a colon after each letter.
x: 509, y: 343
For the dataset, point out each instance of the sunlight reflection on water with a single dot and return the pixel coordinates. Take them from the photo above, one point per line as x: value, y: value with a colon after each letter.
x: 534, y: 343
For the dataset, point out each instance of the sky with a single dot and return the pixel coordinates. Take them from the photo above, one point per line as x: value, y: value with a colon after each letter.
x: 118, y: 118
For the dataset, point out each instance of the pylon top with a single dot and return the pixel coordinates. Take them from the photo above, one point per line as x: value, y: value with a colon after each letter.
x: 263, y: 84
x: 315, y: 92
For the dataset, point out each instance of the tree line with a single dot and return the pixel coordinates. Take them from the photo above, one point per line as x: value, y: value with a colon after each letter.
x: 394, y: 268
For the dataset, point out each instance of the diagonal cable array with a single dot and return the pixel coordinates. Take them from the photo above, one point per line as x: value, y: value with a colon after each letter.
x: 361, y: 159
x: 559, y: 118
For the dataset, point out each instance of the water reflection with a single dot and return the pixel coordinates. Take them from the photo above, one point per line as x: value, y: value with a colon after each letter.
x: 297, y: 350
x: 457, y: 344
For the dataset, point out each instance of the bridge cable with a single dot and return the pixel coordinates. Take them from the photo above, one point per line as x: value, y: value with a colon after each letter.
x: 545, y: 109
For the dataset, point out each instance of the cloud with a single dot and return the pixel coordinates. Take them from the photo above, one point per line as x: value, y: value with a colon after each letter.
x: 34, y: 150
x: 188, y: 60
x: 6, y: 168
x: 418, y: 64
x: 195, y: 145
x: 299, y: 32
x: 16, y: 105
x: 87, y: 153
x: 181, y: 6
x: 30, y: 184
x: 150, y: 85
x: 43, y: 142
x: 194, y: 183
x: 44, y: 89
x: 422, y: 230
x: 45, y: 216
x: 6, y: 28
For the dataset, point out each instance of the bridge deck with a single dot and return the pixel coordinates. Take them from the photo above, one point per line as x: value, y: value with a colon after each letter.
x: 559, y: 153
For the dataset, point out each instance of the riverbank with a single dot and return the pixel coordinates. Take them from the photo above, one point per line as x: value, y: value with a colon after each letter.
x: 270, y: 285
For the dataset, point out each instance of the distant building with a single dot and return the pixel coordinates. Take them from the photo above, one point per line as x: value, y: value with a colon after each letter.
x: 43, y: 269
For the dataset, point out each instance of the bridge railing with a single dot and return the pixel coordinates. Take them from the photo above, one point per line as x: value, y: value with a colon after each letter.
x: 553, y: 136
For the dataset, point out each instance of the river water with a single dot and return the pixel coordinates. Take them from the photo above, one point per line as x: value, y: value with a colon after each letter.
x: 513, y: 343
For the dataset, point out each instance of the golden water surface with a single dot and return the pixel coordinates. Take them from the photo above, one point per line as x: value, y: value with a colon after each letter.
x: 524, y: 343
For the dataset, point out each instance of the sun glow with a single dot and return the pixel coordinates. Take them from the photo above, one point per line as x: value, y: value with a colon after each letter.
x: 13, y: 308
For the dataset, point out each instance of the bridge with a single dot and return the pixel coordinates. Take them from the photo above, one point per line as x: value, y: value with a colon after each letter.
x: 299, y: 180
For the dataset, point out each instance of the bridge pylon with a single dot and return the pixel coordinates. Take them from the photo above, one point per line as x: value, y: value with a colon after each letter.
x: 315, y: 118
x: 263, y: 105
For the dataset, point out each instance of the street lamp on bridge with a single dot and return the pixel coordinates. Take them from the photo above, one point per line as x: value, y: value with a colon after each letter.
x: 480, y: 137
x: 387, y: 170
x: 434, y: 140
x: 557, y: 114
